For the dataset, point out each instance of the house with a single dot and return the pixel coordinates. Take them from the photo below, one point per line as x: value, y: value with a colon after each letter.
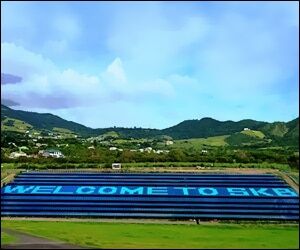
x: 245, y: 129
x: 162, y: 151
x: 169, y: 143
x: 91, y: 147
x: 112, y: 148
x: 204, y: 151
x: 15, y: 155
x: 52, y: 153
x: 148, y: 149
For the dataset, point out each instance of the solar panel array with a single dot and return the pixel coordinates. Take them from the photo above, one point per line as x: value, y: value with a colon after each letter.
x: 155, y: 195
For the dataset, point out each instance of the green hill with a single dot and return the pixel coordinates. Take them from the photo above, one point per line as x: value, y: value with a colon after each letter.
x: 278, y: 129
x: 283, y: 133
x: 208, y: 127
x: 43, y: 121
x: 254, y: 133
x: 16, y: 125
x: 274, y: 134
x: 243, y: 139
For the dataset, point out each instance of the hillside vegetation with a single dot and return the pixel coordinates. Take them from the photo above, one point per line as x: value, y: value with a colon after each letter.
x: 208, y: 129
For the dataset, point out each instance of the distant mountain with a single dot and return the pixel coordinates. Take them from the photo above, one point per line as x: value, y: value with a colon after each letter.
x: 44, y: 121
x: 207, y: 127
x: 279, y: 133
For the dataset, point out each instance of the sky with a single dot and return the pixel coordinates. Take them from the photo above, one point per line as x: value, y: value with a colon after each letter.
x: 151, y: 64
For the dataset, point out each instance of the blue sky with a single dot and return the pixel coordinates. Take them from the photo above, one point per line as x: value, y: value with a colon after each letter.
x: 152, y: 64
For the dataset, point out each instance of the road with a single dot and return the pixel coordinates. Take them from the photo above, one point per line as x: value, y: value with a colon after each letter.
x: 27, y: 241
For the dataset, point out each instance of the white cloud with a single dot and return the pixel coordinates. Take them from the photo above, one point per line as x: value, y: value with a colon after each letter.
x: 43, y: 81
x: 115, y: 75
x: 44, y: 85
x: 23, y: 62
x: 116, y: 70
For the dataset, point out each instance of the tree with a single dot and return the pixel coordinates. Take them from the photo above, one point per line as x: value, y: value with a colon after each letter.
x: 176, y: 155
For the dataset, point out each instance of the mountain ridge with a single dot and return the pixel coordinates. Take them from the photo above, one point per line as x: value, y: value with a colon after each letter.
x: 282, y: 132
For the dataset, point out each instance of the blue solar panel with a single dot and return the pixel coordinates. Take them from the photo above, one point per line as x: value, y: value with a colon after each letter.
x: 151, y: 195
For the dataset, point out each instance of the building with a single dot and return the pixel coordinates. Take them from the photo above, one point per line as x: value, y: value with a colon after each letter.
x: 112, y: 148
x: 148, y: 149
x: 52, y: 153
x: 15, y: 155
x: 245, y: 129
x: 169, y: 143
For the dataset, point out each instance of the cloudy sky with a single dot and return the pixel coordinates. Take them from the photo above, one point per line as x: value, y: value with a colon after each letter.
x: 151, y: 64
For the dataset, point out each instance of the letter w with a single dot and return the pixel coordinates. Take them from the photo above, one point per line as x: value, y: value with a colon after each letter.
x: 17, y: 189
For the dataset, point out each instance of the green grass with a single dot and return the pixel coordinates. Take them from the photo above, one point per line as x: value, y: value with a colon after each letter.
x: 7, y: 238
x: 254, y: 133
x: 16, y: 125
x: 112, y: 134
x: 124, y: 235
x: 200, y: 142
x: 62, y: 130
x: 145, y: 166
x: 277, y: 129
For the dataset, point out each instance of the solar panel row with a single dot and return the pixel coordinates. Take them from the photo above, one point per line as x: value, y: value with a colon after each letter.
x: 186, y: 196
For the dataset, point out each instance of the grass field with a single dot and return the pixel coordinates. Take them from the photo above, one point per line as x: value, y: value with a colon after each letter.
x: 145, y: 166
x: 14, y: 125
x: 200, y: 142
x: 254, y: 133
x: 7, y: 239
x: 124, y: 235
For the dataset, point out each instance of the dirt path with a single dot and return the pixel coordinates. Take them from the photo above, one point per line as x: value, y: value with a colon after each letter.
x: 289, y: 181
x: 104, y: 220
x: 27, y: 241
